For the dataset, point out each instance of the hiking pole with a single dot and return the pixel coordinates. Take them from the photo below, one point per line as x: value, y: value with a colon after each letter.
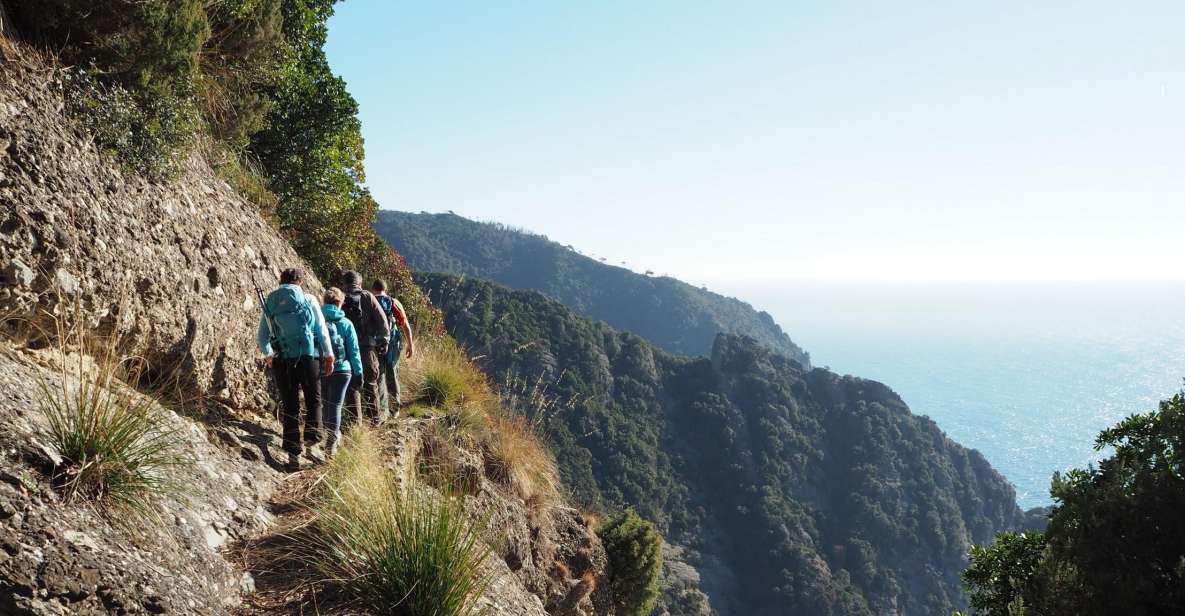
x: 267, y: 318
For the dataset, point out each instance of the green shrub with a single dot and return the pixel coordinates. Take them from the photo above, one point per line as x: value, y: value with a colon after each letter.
x: 401, y: 550
x: 114, y: 444
x: 149, y: 134
x: 635, y: 561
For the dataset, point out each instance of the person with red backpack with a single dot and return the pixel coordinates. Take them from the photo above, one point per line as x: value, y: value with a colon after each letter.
x: 400, y: 339
x: 291, y: 337
x: 364, y: 311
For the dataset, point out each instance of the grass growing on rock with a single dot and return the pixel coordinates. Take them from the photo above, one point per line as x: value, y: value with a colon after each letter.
x: 115, y: 444
x: 399, y: 549
x: 483, y: 420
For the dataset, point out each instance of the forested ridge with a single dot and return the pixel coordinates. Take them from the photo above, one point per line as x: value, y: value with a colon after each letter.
x: 671, y: 314
x: 821, y: 494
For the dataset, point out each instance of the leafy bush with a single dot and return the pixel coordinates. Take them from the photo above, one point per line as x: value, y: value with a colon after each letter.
x: 1115, y: 543
x: 135, y: 65
x: 399, y: 549
x: 635, y: 560
x: 115, y: 446
x: 146, y: 134
x: 1001, y: 573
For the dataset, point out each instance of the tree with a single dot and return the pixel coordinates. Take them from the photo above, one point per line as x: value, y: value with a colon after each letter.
x: 635, y: 560
x: 1116, y: 537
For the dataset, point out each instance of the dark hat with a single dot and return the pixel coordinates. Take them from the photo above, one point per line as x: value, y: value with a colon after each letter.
x: 292, y: 275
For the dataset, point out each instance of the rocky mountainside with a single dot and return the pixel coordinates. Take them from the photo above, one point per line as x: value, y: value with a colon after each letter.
x: 671, y: 314
x: 793, y: 491
x: 166, y: 269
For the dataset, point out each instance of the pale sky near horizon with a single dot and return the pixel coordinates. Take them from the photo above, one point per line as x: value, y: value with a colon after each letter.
x: 837, y: 140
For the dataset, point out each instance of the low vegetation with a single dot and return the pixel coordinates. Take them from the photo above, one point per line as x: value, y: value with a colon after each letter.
x: 1115, y: 543
x: 398, y: 549
x: 115, y: 444
x: 475, y: 414
x: 635, y: 560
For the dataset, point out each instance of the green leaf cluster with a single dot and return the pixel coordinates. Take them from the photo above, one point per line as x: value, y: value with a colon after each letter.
x: 1115, y: 542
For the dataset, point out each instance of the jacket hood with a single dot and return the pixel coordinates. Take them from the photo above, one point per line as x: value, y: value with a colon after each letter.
x: 332, y: 312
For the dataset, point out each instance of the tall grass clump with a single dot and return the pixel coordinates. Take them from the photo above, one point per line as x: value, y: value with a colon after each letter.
x: 400, y: 549
x: 517, y: 457
x: 116, y: 445
x: 443, y: 387
x: 504, y: 426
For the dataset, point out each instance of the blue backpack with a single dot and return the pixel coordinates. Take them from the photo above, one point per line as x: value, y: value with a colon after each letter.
x: 291, y: 314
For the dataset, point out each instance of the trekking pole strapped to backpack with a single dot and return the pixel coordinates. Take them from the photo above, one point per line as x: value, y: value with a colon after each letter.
x: 269, y: 319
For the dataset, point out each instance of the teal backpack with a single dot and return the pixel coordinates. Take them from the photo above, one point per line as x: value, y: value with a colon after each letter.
x: 336, y: 339
x: 291, y: 314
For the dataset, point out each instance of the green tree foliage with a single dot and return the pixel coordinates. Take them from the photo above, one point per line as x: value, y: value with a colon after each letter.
x: 635, y: 560
x: 821, y: 493
x: 671, y: 314
x: 1115, y: 543
x: 1002, y: 573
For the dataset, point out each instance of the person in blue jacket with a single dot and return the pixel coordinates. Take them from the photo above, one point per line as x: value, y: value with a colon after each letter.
x: 348, y: 365
x: 292, y: 339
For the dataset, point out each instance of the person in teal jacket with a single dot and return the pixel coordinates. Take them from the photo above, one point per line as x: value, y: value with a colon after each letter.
x: 292, y: 340
x: 348, y: 365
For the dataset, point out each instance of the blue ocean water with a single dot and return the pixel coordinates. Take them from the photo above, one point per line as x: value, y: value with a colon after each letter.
x: 1026, y: 373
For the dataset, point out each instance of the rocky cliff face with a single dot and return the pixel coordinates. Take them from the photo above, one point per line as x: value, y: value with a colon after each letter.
x: 167, y: 269
x: 788, y: 490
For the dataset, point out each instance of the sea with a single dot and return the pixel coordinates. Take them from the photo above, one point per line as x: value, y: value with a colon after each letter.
x: 1027, y: 373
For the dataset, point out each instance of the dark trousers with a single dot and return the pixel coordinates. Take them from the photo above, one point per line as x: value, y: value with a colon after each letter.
x: 363, y: 397
x: 333, y: 395
x: 292, y: 377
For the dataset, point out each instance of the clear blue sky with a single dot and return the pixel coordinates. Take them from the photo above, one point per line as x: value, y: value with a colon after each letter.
x: 838, y: 140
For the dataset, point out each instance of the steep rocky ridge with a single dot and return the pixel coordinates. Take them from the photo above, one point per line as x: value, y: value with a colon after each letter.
x: 793, y: 491
x: 670, y: 313
x: 167, y: 268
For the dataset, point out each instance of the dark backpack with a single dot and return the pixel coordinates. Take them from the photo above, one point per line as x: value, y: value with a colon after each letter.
x: 353, y: 307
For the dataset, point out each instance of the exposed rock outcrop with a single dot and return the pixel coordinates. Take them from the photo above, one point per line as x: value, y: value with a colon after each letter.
x: 167, y: 267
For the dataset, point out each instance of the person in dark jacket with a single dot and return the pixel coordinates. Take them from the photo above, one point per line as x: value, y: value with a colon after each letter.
x: 290, y: 322
x: 335, y: 384
x: 374, y: 331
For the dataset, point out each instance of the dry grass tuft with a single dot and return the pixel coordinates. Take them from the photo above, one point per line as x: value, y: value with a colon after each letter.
x: 512, y: 451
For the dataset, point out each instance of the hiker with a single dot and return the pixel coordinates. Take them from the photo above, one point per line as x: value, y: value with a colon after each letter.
x: 346, y: 368
x: 400, y: 331
x: 295, y: 346
x: 364, y: 311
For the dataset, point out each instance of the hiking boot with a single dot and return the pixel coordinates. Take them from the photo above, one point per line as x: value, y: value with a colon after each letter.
x: 293, y: 463
x: 316, y: 454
